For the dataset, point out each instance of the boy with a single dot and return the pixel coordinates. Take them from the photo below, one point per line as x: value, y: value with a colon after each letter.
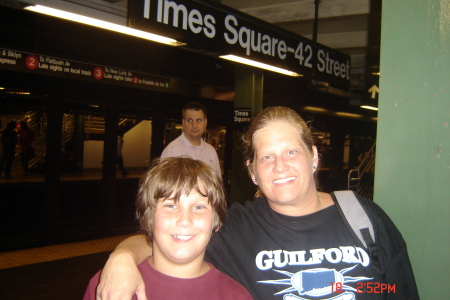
x: 180, y: 205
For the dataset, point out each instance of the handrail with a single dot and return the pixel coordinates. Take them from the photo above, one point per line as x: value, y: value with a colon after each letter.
x: 367, y: 165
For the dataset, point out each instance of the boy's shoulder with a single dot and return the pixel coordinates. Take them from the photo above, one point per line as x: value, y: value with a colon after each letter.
x: 230, y: 288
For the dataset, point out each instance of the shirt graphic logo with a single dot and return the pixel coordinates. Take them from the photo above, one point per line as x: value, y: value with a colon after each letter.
x: 316, y: 283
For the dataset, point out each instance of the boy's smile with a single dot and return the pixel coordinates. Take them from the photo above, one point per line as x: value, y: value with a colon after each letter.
x: 181, y: 232
x: 182, y: 237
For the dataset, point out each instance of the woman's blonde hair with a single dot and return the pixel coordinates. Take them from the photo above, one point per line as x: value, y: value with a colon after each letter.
x: 172, y: 177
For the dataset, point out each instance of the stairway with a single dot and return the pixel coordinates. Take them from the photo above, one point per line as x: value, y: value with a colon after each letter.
x: 361, y: 178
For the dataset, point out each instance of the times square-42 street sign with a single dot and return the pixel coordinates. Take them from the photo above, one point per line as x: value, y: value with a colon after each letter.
x: 220, y: 30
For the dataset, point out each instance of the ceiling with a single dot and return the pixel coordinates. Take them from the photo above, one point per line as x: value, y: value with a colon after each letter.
x: 350, y: 26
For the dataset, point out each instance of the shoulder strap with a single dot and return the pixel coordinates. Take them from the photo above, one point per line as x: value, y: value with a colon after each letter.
x: 355, y: 215
x: 358, y: 223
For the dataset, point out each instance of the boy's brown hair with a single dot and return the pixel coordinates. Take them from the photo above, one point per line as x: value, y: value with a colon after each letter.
x: 172, y: 177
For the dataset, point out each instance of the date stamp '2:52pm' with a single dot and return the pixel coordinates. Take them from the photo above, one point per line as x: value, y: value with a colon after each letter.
x: 367, y: 287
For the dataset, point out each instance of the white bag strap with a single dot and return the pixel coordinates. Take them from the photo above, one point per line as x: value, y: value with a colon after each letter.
x: 355, y: 214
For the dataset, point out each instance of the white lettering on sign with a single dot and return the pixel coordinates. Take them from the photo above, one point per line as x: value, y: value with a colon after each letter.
x: 331, y: 66
x: 239, y: 120
x: 242, y: 116
x: 54, y: 61
x: 7, y: 61
x: 251, y: 40
x: 14, y: 54
x: 56, y: 68
x: 181, y: 17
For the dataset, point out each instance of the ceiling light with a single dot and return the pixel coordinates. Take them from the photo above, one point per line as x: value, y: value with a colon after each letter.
x: 369, y: 107
x: 259, y: 65
x: 316, y: 109
x: 103, y: 24
x: 348, y: 115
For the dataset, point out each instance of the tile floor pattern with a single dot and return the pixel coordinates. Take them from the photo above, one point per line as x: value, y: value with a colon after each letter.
x: 59, y: 272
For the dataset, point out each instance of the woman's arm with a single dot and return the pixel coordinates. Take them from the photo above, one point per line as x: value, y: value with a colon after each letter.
x: 120, y: 278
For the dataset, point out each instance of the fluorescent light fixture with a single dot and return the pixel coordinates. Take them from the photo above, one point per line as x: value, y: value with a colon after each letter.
x: 18, y: 93
x: 348, y: 115
x: 103, y: 24
x: 369, y: 107
x: 259, y: 65
x: 316, y: 109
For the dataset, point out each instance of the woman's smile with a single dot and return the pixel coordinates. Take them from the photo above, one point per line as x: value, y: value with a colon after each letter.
x: 285, y: 180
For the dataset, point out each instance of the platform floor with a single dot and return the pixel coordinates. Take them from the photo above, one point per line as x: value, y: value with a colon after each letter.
x: 59, y: 272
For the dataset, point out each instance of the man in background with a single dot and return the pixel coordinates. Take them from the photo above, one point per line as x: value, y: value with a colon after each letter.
x: 190, y: 142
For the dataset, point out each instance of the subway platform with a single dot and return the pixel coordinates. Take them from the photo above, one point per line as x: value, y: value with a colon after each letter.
x: 59, y: 272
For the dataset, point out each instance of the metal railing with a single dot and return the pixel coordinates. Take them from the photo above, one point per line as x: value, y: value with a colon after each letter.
x: 94, y: 124
x: 365, y: 168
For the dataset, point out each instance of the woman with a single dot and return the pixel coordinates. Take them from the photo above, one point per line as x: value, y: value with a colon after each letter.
x: 290, y: 243
x: 26, y: 139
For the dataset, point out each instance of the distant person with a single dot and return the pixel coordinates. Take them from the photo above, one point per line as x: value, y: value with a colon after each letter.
x: 26, y: 139
x: 120, y: 142
x: 180, y: 205
x: 9, y: 142
x: 190, y: 142
x: 213, y: 143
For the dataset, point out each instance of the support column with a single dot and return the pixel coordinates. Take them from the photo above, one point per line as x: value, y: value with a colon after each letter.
x: 53, y: 165
x: 78, y: 140
x: 248, y: 94
x: 109, y: 167
x: 413, y: 139
x: 158, y: 127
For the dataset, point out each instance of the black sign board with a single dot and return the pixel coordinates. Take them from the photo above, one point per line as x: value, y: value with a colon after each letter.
x: 242, y: 118
x: 242, y: 115
x: 58, y: 67
x: 220, y: 30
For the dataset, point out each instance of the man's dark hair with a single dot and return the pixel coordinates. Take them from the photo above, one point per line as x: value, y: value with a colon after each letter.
x: 194, y: 106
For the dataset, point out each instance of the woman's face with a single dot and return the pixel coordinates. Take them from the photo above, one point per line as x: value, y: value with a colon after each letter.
x: 283, y: 167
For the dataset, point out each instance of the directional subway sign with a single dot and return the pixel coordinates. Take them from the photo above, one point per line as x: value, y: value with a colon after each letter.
x: 373, y: 90
x: 220, y: 30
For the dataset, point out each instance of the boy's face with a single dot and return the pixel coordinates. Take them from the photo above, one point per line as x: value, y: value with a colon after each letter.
x: 181, y: 231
